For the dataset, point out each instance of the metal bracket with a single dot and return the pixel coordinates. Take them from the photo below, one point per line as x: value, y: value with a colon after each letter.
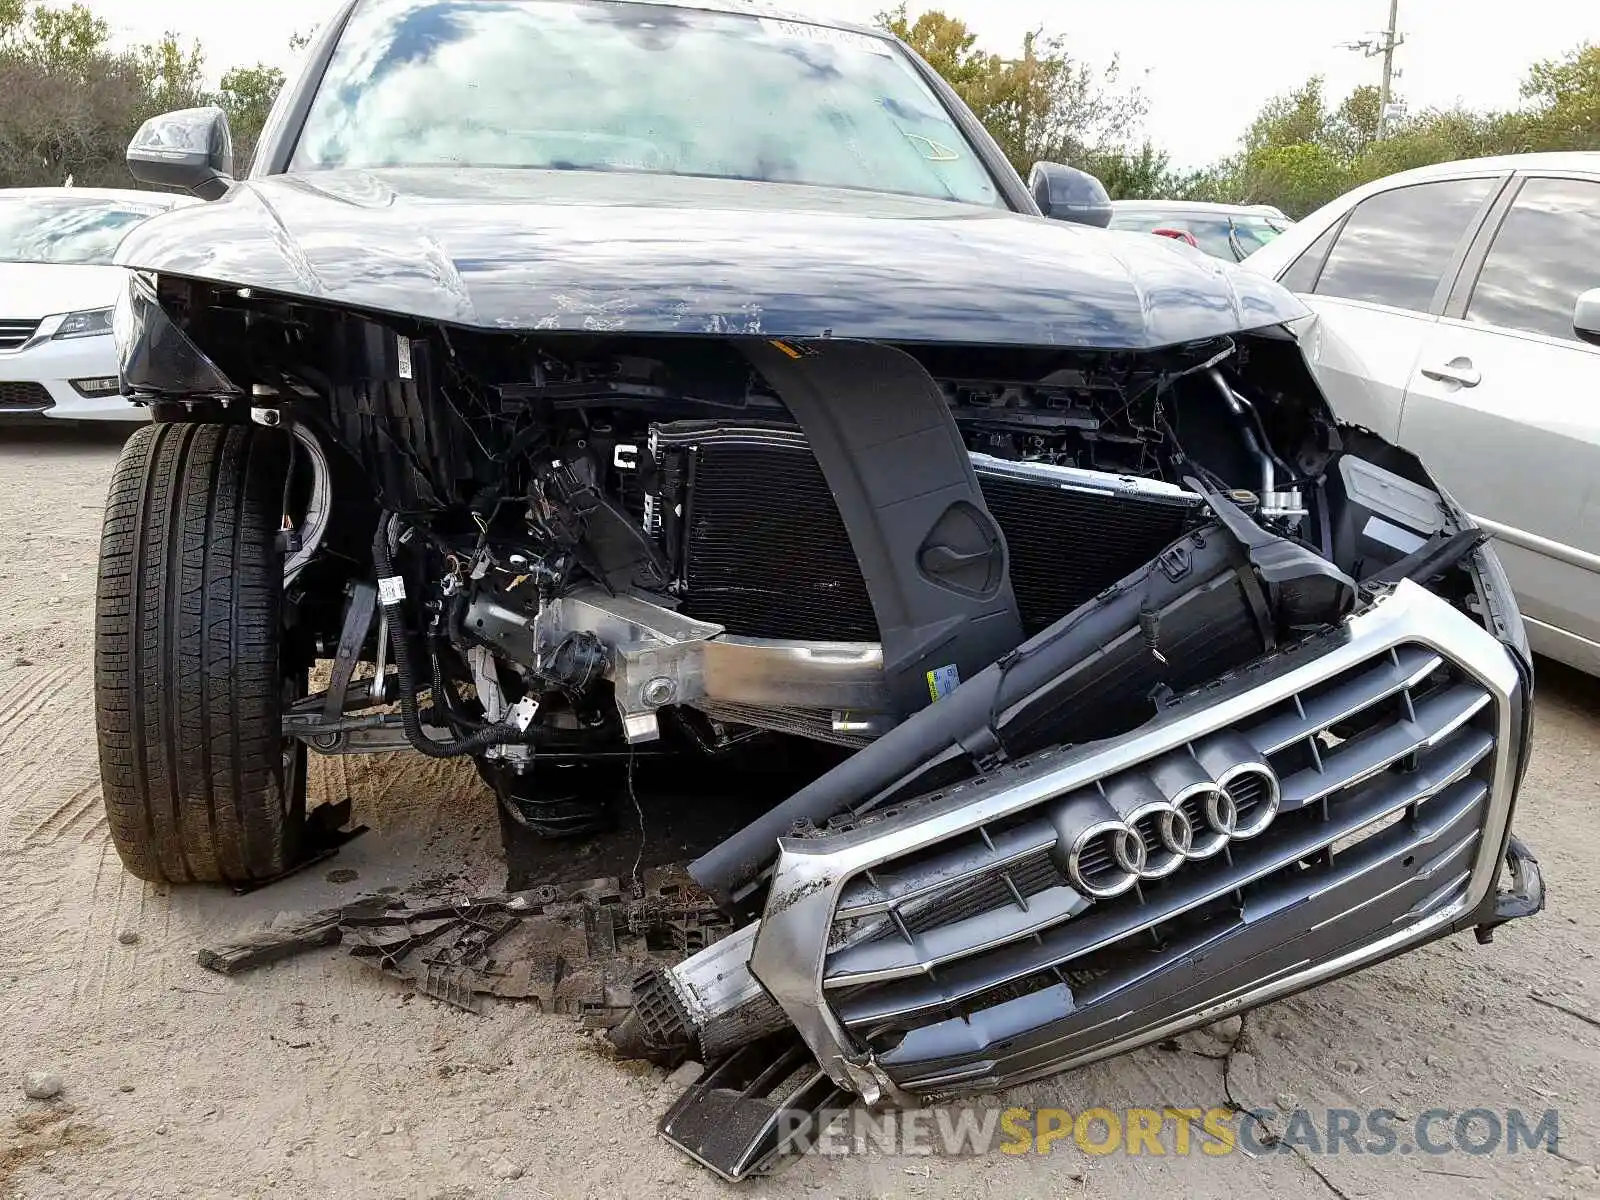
x: 660, y: 657
x: 352, y: 638
x: 489, y: 694
x: 372, y: 733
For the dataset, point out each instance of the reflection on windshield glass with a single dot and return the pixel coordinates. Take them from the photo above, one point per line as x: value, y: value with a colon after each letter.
x: 575, y: 85
x: 60, y: 230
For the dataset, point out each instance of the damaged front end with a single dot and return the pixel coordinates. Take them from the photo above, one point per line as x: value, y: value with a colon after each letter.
x: 985, y: 896
x: 1140, y: 691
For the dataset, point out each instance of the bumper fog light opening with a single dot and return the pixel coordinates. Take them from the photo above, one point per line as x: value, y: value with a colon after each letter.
x: 106, y: 385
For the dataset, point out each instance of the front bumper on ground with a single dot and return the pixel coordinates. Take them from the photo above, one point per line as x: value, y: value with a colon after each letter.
x: 941, y: 949
x: 36, y: 381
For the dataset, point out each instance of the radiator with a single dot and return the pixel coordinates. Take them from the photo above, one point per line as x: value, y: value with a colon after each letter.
x: 758, y: 546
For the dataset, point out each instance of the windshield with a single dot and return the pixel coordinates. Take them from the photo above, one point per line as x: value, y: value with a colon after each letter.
x: 61, y: 229
x: 1211, y: 231
x: 600, y: 86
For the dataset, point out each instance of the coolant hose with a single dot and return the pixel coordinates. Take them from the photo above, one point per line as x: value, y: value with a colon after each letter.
x: 391, y: 594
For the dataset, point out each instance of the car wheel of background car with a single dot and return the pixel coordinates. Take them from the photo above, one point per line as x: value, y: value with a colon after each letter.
x: 199, y: 784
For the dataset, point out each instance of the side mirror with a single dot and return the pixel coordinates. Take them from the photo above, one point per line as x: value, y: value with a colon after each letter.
x: 1068, y: 194
x: 1586, y: 316
x: 191, y: 149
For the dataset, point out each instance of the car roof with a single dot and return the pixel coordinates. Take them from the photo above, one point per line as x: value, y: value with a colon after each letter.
x: 125, y: 195
x: 1196, y: 206
x: 1276, y: 257
x: 1549, y: 160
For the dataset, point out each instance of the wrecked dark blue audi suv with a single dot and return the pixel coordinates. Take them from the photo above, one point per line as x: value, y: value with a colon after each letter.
x: 575, y: 384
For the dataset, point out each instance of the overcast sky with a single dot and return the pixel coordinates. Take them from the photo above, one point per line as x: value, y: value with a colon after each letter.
x: 1205, y: 65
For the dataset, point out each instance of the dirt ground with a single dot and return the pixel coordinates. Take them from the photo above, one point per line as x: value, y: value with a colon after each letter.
x: 319, y: 1078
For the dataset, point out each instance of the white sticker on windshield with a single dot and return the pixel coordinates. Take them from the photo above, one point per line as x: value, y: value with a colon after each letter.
x: 826, y: 35
x: 402, y: 346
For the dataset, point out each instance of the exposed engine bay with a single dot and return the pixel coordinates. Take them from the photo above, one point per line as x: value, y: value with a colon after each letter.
x: 1033, y: 672
x: 590, y: 545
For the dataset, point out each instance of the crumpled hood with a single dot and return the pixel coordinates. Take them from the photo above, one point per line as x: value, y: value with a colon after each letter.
x: 584, y: 251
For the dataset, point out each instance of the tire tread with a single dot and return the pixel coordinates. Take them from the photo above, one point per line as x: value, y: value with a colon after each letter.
x: 187, y: 691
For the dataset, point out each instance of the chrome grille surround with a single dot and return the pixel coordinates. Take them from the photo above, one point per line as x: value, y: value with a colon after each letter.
x: 979, y: 980
x: 17, y: 332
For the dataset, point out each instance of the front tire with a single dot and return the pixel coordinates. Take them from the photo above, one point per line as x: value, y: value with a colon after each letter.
x: 200, y: 786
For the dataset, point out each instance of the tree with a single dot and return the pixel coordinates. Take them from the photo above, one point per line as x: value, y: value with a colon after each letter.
x: 1299, y: 154
x: 172, y: 76
x: 1133, y: 174
x: 1565, y: 102
x: 1300, y: 116
x: 1297, y: 177
x: 68, y: 105
x: 947, y: 45
x: 67, y: 40
x: 1354, y: 125
x: 1040, y: 104
x: 247, y: 95
x: 1043, y: 105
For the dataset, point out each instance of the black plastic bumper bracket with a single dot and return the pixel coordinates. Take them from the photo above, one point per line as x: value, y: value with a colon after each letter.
x: 752, y: 1111
x: 1524, y: 898
x: 933, y: 558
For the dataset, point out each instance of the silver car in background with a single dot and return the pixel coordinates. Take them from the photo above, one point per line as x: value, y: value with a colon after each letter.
x: 1471, y: 294
x: 1231, y: 232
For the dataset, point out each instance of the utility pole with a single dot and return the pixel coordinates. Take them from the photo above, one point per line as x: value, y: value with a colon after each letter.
x: 1391, y: 39
x: 1383, y: 45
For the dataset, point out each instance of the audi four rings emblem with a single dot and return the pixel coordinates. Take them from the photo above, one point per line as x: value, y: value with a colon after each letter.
x: 1145, y: 824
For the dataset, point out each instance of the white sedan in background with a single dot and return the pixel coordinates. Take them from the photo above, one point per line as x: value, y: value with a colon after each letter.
x: 1231, y: 232
x: 1469, y: 294
x: 57, y: 291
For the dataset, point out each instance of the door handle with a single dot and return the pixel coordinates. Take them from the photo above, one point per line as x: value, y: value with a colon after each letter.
x: 1457, y: 370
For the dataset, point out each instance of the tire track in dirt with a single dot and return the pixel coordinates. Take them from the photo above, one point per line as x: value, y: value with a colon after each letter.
x: 50, y: 816
x: 55, y: 785
x: 114, y: 971
x: 60, y: 704
x: 78, y: 810
x: 48, y: 684
x: 103, y: 966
